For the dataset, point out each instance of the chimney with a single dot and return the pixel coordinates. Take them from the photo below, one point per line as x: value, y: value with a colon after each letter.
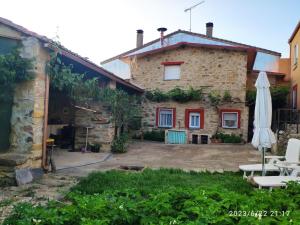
x: 209, y: 29
x: 139, y: 38
x: 162, y: 30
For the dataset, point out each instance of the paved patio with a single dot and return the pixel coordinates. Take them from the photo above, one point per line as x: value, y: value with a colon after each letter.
x: 156, y: 155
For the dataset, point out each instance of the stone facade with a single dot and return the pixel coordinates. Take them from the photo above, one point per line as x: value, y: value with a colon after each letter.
x: 27, y: 120
x: 102, y: 131
x: 210, y: 69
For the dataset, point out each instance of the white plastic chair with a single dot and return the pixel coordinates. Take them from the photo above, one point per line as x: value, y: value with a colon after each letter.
x: 273, y: 162
x: 277, y: 181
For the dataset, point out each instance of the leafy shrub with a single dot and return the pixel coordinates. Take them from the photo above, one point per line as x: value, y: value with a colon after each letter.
x: 279, y: 96
x: 154, y: 135
x: 120, y: 143
x: 228, y: 138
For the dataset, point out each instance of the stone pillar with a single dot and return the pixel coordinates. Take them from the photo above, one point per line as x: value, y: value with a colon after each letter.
x: 28, y: 107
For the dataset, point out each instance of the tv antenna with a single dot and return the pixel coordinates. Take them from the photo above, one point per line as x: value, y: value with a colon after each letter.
x: 190, y: 9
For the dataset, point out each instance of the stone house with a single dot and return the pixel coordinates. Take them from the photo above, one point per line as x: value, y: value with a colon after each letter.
x: 294, y: 66
x: 185, y: 59
x: 35, y: 111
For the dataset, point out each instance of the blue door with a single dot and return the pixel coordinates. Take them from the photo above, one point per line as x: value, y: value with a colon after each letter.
x: 176, y: 137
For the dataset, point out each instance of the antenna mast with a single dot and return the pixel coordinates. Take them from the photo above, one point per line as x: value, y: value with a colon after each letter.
x: 190, y: 9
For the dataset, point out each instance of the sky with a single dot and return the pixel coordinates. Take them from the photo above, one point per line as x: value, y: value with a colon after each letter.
x: 100, y: 29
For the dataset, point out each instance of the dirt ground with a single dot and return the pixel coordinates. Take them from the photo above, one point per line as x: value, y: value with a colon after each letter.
x: 72, y: 166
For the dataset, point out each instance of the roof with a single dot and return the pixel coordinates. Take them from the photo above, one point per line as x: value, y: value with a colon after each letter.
x: 195, y: 34
x: 294, y: 32
x: 68, y: 53
x: 271, y: 73
x: 251, y: 52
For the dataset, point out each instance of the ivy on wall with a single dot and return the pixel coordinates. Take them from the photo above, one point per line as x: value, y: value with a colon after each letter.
x: 13, y: 69
x: 179, y: 95
x: 176, y: 94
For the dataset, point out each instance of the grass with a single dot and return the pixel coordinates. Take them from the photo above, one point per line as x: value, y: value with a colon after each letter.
x: 156, y: 180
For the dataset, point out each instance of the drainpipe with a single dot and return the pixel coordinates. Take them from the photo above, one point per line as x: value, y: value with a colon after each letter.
x: 46, y: 102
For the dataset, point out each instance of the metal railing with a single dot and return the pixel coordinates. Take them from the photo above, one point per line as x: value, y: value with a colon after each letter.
x: 285, y: 118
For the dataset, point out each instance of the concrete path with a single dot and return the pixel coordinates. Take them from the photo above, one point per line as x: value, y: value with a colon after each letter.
x: 65, y: 159
x: 188, y: 157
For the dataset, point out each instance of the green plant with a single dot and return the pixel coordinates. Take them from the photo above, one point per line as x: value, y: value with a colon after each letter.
x: 94, y: 147
x: 119, y: 144
x: 125, y: 108
x: 14, y: 70
x: 279, y: 96
x: 214, y: 98
x: 176, y: 94
x: 156, y: 96
x: 155, y: 135
x: 227, y: 96
x: 228, y: 138
x: 164, y: 197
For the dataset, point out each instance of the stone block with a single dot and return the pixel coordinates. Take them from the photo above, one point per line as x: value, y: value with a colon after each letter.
x: 23, y: 176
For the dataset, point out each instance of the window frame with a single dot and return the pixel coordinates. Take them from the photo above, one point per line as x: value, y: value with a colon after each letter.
x: 237, y: 112
x: 170, y: 64
x: 294, y: 96
x: 188, y: 112
x: 190, y: 120
x: 296, y: 54
x: 173, y: 119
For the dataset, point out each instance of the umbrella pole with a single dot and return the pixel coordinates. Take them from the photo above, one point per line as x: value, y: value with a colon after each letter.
x: 263, y: 162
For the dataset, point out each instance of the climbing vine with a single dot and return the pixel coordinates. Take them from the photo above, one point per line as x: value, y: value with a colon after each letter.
x: 124, y: 107
x: 13, y: 69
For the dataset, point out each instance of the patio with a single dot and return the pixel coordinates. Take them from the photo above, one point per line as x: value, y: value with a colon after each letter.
x: 213, y: 157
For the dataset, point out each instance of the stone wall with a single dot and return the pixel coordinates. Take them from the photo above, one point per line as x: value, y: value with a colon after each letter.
x: 212, y: 70
x: 218, y: 70
x: 102, y: 131
x: 211, y: 117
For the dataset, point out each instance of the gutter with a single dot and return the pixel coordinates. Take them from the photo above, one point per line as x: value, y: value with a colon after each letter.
x: 46, y: 103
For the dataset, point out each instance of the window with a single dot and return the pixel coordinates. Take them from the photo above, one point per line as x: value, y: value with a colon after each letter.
x: 194, y: 120
x: 296, y: 54
x: 165, y: 117
x: 230, y: 118
x: 294, y: 97
x: 172, y: 72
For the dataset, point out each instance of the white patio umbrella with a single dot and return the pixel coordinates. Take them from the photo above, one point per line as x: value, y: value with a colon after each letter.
x: 263, y: 136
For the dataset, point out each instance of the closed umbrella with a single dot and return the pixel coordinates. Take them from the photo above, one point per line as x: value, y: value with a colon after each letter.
x: 263, y: 136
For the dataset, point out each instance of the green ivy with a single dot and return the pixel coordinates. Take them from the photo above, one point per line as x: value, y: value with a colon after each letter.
x: 214, y: 98
x: 176, y: 94
x: 13, y: 69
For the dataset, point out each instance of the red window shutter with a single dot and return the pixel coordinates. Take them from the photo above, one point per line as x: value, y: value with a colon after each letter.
x: 174, y: 117
x: 172, y: 63
x: 202, y: 119
x: 187, y: 118
x: 157, y: 116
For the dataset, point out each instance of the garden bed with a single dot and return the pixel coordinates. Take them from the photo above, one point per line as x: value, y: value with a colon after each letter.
x: 165, y: 197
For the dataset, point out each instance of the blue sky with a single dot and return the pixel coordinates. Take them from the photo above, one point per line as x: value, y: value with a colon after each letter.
x: 100, y: 29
